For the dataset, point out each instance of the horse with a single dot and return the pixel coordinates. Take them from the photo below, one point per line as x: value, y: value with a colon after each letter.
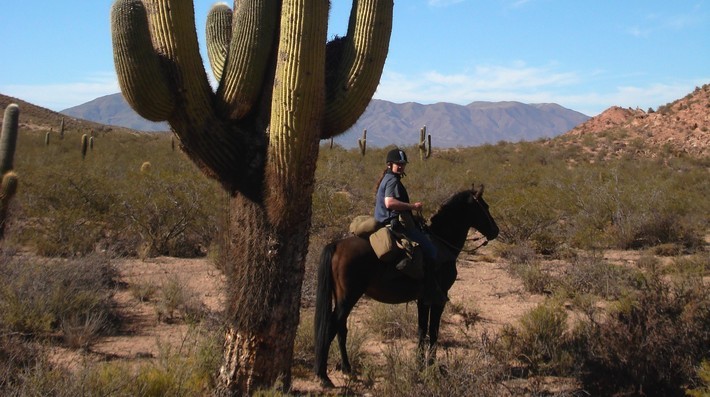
x: 349, y: 269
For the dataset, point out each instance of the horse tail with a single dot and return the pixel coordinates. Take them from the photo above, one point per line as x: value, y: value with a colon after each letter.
x: 324, y: 309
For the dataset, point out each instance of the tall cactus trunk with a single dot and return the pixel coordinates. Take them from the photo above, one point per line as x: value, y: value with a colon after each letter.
x: 267, y: 267
x: 281, y: 89
x: 8, y: 142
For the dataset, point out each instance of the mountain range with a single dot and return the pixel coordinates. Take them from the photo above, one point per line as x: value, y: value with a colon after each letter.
x: 387, y: 123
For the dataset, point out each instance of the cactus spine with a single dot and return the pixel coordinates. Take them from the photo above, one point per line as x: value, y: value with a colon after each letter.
x: 8, y: 143
x: 424, y: 144
x: 363, y: 142
x: 281, y: 89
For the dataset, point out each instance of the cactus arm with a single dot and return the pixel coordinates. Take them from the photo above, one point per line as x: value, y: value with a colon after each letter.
x: 146, y: 88
x: 8, y: 139
x: 218, y: 33
x: 297, y: 105
x: 361, y: 59
x: 253, y: 32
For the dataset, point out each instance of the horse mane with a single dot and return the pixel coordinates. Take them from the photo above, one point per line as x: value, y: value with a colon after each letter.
x: 451, y: 204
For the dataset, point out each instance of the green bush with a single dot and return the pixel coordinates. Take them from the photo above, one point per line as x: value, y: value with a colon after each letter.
x: 40, y: 296
x: 652, y: 342
x: 540, y: 341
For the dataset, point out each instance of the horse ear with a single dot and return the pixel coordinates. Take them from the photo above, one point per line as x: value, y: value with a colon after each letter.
x: 479, y: 192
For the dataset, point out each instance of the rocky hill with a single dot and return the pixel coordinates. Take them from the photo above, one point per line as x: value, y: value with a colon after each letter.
x: 683, y: 125
x: 33, y: 117
x: 389, y: 123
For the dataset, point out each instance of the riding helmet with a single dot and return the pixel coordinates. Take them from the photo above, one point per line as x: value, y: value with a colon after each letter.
x: 397, y: 156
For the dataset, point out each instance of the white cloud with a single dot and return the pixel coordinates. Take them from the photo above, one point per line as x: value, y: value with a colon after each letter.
x: 526, y: 84
x: 60, y: 96
x: 489, y: 82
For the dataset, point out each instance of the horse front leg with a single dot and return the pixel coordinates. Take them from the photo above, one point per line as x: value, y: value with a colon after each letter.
x: 434, y: 323
x: 422, y: 327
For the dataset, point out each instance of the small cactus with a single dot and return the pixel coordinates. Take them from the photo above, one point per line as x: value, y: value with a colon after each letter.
x: 46, y: 139
x: 8, y: 142
x: 146, y: 167
x: 363, y: 142
x: 84, y: 145
x: 424, y: 144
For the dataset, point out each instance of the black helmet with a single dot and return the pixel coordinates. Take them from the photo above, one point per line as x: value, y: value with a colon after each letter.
x: 397, y: 156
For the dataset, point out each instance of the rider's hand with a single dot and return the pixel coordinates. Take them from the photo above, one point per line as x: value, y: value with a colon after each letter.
x: 417, y: 206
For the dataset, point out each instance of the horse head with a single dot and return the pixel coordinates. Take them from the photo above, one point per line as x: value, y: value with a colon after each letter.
x: 479, y: 214
x: 465, y: 209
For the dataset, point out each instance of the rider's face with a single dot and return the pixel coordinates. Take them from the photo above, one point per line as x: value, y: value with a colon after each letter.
x: 398, y: 168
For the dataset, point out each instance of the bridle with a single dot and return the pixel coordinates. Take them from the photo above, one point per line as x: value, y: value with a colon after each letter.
x: 468, y: 250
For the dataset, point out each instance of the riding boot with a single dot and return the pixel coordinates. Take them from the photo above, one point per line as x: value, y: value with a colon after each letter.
x: 432, y: 293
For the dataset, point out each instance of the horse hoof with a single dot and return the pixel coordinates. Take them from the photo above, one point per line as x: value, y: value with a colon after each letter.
x: 326, y: 383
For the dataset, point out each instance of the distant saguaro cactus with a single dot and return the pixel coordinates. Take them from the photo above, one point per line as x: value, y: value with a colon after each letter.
x: 424, y: 144
x: 61, y: 129
x: 91, y: 143
x: 84, y: 145
x: 363, y: 142
x: 8, y: 142
x: 46, y: 139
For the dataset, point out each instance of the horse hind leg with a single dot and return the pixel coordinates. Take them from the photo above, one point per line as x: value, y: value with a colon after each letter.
x: 342, y: 331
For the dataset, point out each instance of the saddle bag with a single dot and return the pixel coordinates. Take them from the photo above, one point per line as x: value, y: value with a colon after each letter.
x: 384, y: 244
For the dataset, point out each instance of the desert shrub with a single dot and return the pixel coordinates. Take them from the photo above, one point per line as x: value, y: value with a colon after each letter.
x: 591, y: 274
x: 189, y: 370
x: 702, y: 390
x: 652, y: 342
x: 475, y: 373
x: 696, y: 266
x: 172, y: 214
x: 524, y: 264
x: 637, y: 204
x: 176, y: 297
x: 540, y: 341
x: 393, y: 321
x: 68, y: 213
x: 16, y: 356
x: 40, y: 296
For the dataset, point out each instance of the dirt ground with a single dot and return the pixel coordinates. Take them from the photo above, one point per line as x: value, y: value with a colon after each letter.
x: 483, y: 287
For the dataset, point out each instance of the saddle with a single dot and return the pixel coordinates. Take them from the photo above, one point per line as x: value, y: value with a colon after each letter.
x: 390, y: 245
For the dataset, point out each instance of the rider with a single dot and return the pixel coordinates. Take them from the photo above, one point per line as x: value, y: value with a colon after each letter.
x: 392, y: 206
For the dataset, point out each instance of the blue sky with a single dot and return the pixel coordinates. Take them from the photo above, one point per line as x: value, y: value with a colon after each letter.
x: 583, y: 55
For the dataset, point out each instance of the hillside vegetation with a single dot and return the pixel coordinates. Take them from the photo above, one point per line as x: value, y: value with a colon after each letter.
x: 557, y: 201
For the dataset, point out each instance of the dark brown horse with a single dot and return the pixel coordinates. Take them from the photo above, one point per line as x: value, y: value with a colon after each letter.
x: 349, y: 269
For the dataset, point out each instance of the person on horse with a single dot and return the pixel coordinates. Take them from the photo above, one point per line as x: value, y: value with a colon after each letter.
x: 392, y: 207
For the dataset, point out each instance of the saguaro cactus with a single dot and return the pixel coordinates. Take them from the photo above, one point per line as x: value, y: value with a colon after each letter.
x: 84, y: 145
x: 61, y: 129
x: 281, y: 89
x: 8, y: 142
x: 424, y: 144
x: 363, y: 142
